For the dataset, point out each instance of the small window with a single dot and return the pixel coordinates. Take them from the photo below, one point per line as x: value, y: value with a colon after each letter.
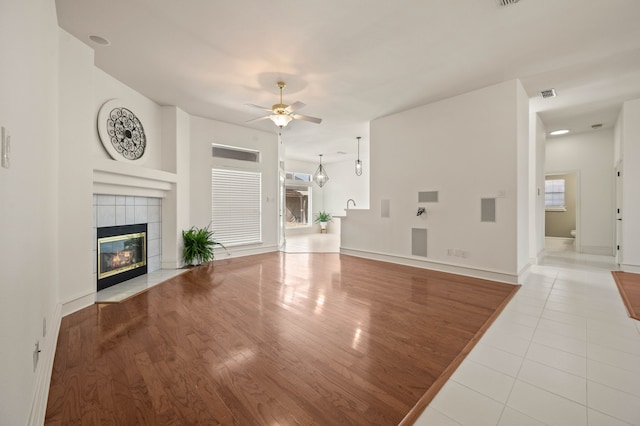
x: 233, y: 153
x: 298, y: 177
x: 554, y: 195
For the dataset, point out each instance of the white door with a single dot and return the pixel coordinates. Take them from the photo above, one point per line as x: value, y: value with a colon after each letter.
x: 618, y: 213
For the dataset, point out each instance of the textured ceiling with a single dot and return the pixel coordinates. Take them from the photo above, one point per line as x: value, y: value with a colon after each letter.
x: 354, y: 61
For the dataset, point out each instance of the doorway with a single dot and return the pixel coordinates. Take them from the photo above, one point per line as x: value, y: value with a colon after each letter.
x: 561, y: 212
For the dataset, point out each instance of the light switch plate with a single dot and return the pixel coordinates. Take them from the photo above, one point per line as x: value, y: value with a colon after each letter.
x: 6, y: 147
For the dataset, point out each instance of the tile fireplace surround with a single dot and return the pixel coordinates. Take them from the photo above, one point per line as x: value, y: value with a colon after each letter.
x: 113, y: 210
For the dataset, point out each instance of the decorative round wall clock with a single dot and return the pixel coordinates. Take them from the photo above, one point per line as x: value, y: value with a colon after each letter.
x: 121, y: 132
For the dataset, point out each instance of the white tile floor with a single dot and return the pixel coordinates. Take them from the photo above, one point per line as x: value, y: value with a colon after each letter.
x: 563, y: 352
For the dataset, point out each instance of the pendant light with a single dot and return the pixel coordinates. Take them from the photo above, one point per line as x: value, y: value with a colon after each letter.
x: 358, y: 162
x: 320, y: 176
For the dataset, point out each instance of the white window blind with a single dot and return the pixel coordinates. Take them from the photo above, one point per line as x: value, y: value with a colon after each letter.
x: 235, y: 206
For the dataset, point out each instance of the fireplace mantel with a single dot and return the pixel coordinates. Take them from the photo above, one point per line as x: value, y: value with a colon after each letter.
x: 117, y: 178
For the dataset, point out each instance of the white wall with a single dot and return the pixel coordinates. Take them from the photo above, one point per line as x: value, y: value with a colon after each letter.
x: 77, y: 125
x: 204, y: 132
x: 344, y: 184
x: 523, y: 189
x: 467, y: 147
x: 630, y: 151
x: 149, y: 113
x: 28, y: 198
x: 536, y: 187
x: 590, y: 155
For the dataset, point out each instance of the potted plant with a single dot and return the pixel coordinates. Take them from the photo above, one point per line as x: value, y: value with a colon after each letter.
x: 198, y: 245
x: 323, y: 218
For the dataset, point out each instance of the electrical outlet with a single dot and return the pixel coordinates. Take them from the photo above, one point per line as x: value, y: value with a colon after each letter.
x: 450, y: 252
x: 36, y: 355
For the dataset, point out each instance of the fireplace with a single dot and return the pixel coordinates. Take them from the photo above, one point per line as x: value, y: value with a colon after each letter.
x: 122, y: 253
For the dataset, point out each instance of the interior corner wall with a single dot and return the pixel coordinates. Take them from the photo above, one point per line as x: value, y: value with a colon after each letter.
x: 536, y: 187
x: 203, y: 133
x: 466, y: 148
x: 522, y: 172
x: 591, y: 156
x: 28, y: 198
x: 344, y: 185
x: 630, y: 150
x: 176, y: 146
x: 77, y: 124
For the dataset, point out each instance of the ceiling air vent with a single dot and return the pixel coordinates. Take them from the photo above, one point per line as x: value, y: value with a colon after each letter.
x: 507, y: 2
x: 549, y: 93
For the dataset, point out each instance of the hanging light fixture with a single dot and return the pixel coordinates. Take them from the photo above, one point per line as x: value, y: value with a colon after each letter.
x: 280, y: 115
x: 358, y: 162
x: 320, y: 176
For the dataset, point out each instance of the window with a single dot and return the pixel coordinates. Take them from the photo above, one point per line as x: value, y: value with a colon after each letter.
x: 304, y: 177
x: 235, y: 206
x: 233, y: 153
x: 554, y: 195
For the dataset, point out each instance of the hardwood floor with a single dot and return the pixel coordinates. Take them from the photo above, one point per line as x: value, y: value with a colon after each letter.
x: 629, y: 288
x: 305, y: 339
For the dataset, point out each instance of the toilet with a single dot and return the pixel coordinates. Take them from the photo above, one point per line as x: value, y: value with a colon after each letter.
x: 573, y: 233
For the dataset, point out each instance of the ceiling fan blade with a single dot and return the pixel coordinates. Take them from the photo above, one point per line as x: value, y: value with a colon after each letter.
x: 307, y: 118
x: 257, y: 119
x: 260, y: 107
x: 294, y: 106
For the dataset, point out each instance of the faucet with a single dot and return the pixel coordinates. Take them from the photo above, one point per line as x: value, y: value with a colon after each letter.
x: 350, y: 200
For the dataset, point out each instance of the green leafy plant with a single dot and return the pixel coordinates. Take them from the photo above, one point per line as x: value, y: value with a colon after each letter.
x: 323, y: 217
x: 198, y: 245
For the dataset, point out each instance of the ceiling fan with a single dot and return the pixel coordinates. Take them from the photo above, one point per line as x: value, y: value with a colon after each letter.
x: 281, y: 114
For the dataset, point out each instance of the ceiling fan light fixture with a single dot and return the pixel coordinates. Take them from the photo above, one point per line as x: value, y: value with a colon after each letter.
x: 280, y: 120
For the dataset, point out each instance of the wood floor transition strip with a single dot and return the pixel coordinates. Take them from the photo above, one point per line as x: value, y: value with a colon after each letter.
x: 629, y: 288
x: 428, y: 396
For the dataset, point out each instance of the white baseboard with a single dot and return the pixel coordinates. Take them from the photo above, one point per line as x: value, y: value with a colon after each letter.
x: 599, y: 250
x: 44, y: 369
x: 170, y: 264
x: 241, y: 251
x: 524, y: 273
x: 486, y: 274
x: 78, y: 303
x: 634, y: 269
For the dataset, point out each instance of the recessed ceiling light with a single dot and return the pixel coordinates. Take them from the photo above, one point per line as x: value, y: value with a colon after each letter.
x: 559, y: 132
x: 99, y: 40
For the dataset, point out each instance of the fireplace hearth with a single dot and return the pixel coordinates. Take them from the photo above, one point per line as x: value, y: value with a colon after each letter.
x: 122, y: 254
